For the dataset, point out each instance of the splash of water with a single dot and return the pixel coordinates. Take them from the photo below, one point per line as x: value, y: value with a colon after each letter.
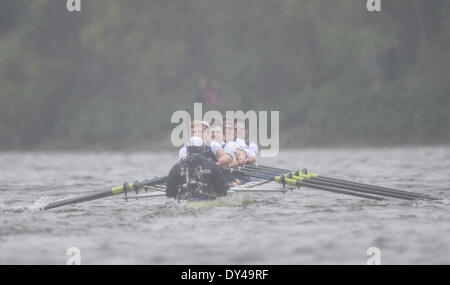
x: 36, y: 206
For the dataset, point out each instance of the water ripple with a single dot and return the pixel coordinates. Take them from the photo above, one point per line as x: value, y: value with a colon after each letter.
x: 304, y: 226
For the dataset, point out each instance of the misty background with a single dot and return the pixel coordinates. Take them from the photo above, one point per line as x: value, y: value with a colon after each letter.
x: 110, y: 76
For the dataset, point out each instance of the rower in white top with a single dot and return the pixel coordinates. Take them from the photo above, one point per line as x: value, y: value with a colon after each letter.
x: 236, y: 133
x: 248, y: 150
x: 209, y: 143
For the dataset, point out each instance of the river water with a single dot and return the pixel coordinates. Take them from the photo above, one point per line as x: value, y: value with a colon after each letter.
x: 301, y: 227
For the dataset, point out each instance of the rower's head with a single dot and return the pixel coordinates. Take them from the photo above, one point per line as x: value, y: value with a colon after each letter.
x: 205, y: 125
x: 239, y: 130
x: 228, y: 129
x: 195, y: 141
x: 197, y: 128
x: 215, y: 133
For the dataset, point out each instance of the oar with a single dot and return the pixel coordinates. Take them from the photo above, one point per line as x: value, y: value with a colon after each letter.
x: 283, y: 180
x: 341, y: 186
x: 316, y: 177
x: 111, y: 192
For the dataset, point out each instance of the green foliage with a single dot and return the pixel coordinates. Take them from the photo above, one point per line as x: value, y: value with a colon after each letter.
x: 112, y: 75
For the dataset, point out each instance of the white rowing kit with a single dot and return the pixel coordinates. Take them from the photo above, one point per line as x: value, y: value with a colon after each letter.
x: 230, y: 147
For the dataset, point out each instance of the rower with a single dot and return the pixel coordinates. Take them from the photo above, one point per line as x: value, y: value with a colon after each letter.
x: 239, y: 138
x: 252, y: 148
x: 229, y: 134
x: 213, y: 138
x: 239, y: 156
x: 198, y: 171
x: 243, y: 154
x: 247, y: 151
x: 225, y: 152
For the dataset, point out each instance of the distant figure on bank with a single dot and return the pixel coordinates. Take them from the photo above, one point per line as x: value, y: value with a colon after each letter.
x: 208, y: 92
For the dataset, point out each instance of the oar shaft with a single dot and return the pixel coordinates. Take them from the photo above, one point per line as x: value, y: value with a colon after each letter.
x: 374, y: 187
x: 359, y: 189
x: 319, y: 185
x: 80, y: 199
x: 340, y: 191
x: 345, y: 182
x: 104, y: 194
x: 348, y: 186
x: 309, y: 185
x: 381, y: 188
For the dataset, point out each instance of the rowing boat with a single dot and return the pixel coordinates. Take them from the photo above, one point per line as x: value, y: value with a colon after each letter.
x: 268, y: 180
x: 237, y: 196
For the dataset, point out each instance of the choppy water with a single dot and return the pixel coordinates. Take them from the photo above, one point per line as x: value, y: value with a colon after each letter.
x: 305, y: 227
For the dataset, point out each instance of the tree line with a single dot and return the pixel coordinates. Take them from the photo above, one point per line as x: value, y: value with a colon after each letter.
x: 111, y: 75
